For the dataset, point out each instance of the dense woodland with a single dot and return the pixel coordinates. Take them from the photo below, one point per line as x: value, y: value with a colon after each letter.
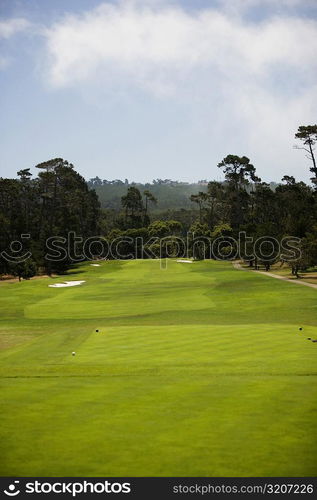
x: 170, y: 194
x: 60, y: 203
x: 57, y: 202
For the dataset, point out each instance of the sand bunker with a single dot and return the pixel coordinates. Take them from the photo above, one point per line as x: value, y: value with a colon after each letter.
x: 95, y: 265
x: 66, y: 284
x: 186, y: 261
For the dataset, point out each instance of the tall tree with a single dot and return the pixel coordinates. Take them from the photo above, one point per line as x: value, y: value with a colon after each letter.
x: 133, y: 205
x: 24, y: 174
x: 149, y: 197
x: 200, y: 199
x: 238, y: 170
x: 308, y: 135
x: 296, y: 205
x: 217, y: 206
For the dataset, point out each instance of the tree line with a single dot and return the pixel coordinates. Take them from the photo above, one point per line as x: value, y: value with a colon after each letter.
x: 56, y: 202
x: 59, y: 202
x: 243, y: 203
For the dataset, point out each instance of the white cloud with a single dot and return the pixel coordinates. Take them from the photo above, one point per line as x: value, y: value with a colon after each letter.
x: 9, y: 27
x: 249, y: 84
x: 155, y: 47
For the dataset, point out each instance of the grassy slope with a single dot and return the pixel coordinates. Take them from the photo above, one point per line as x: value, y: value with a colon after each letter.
x: 197, y: 370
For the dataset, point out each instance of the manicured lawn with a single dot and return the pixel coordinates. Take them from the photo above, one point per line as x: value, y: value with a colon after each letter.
x: 197, y: 370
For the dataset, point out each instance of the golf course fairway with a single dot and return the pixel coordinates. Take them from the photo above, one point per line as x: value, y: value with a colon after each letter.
x: 196, y: 370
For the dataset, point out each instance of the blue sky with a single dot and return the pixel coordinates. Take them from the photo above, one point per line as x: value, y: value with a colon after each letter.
x: 143, y: 89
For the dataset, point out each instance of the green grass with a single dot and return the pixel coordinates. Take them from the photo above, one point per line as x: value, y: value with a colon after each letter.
x: 197, y: 370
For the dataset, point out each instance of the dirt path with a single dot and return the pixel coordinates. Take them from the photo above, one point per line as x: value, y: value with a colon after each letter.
x: 37, y: 277
x: 237, y: 265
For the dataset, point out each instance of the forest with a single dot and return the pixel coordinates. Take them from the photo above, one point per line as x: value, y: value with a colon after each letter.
x: 46, y: 212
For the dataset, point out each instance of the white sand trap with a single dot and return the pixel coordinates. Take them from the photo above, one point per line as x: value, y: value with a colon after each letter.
x: 185, y: 261
x: 95, y: 265
x: 66, y: 284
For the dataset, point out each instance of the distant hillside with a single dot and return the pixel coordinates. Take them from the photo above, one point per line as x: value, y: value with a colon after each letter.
x: 171, y: 194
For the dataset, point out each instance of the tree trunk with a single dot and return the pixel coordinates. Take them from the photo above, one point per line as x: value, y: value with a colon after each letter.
x: 313, y: 158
